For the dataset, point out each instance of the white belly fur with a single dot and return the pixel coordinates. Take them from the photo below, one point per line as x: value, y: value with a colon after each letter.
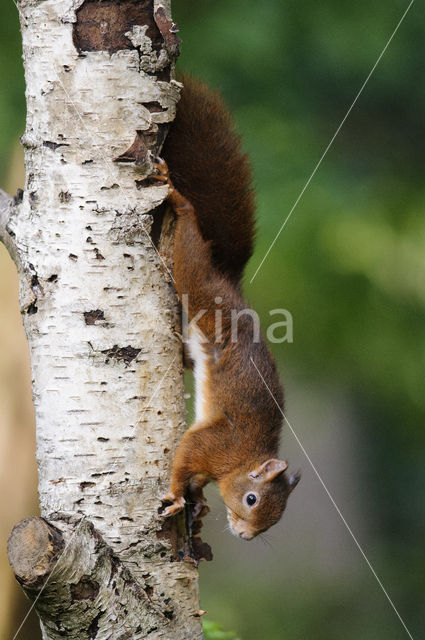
x: 199, y: 357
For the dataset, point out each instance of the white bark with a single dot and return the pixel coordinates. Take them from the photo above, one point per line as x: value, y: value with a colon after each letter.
x: 6, y: 203
x: 99, y: 308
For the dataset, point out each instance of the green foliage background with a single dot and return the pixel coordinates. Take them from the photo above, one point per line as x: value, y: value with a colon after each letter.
x: 349, y: 265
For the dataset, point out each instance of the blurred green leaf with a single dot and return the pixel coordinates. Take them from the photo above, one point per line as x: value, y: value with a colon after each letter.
x: 214, y: 631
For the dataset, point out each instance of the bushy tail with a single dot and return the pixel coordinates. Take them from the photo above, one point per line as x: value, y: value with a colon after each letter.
x: 207, y: 166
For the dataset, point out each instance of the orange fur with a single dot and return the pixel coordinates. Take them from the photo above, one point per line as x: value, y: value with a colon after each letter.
x: 237, y: 437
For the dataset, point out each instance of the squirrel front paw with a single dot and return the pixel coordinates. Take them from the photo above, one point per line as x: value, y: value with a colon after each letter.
x: 177, y: 504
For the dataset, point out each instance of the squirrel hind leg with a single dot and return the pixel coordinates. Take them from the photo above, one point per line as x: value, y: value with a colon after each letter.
x: 179, y: 203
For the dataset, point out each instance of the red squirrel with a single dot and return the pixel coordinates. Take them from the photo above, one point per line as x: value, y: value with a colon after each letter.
x: 235, y: 438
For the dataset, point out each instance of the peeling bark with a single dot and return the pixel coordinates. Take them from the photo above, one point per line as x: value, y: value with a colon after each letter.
x: 102, y: 320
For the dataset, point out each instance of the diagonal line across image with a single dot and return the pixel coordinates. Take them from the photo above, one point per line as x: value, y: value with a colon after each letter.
x: 338, y: 510
x: 330, y: 143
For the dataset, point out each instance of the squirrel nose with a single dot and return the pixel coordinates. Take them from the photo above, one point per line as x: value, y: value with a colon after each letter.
x: 245, y: 536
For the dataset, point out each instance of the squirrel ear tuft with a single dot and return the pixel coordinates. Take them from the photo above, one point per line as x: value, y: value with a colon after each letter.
x: 269, y: 470
x: 294, y: 479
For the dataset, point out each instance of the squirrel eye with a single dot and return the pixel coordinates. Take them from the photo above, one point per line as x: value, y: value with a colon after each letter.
x: 251, y: 499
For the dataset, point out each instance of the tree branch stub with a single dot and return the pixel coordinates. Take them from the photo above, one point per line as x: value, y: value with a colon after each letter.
x: 79, y: 586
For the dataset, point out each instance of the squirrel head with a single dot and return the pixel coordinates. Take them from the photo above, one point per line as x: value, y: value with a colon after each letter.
x: 256, y: 497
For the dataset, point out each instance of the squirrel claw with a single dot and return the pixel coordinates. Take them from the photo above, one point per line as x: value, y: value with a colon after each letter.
x: 174, y: 508
x: 179, y: 203
x: 162, y: 174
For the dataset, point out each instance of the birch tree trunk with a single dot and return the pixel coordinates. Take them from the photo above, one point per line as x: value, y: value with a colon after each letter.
x: 102, y: 321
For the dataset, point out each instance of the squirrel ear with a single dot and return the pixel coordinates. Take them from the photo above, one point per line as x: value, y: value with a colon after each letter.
x: 294, y: 479
x: 269, y: 470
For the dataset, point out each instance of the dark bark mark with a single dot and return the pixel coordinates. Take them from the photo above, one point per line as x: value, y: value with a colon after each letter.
x: 102, y: 473
x: 153, y: 107
x: 168, y: 31
x: 36, y: 287
x: 145, y: 142
x: 52, y: 278
x: 158, y: 218
x: 86, y: 485
x: 146, y: 145
x: 169, y: 613
x: 114, y: 569
x: 126, y: 354
x: 32, y: 309
x: 98, y: 254
x: 72, y: 256
x: 101, y: 26
x: 17, y: 199
x: 64, y: 196
x: 113, y: 186
x: 54, y: 145
x: 164, y: 75
x: 100, y: 439
x: 35, y: 284
x: 85, y: 589
x: 33, y: 197
x: 94, y: 626
x: 138, y: 152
